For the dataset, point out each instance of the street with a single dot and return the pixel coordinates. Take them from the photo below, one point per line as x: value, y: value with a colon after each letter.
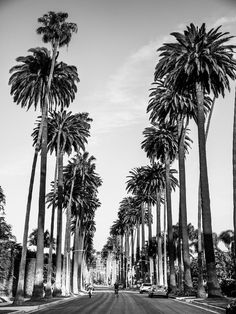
x: 104, y: 301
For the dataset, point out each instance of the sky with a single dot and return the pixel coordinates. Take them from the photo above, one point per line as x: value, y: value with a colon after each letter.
x: 115, y: 53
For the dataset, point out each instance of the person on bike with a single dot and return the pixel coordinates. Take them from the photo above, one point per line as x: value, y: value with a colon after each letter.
x: 116, y: 287
x: 90, y: 290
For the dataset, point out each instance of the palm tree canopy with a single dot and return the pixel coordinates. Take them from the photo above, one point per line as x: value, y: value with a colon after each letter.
x: 29, y: 79
x: 166, y: 105
x: 160, y: 141
x: 198, y: 56
x: 71, y: 130
x: 55, y: 29
x: 117, y: 228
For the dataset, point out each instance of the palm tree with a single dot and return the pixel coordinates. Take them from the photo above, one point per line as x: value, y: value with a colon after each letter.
x: 135, y: 185
x: 86, y: 184
x: 128, y: 215
x: 57, y: 32
x: 28, y: 86
x: 85, y: 121
x: 117, y: 230
x: 67, y: 131
x: 167, y: 105
x: 155, y: 184
x: 160, y: 144
x: 200, y: 62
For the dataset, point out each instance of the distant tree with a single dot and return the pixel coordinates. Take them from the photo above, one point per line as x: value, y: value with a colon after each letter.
x: 33, y: 238
x: 2, y: 200
x: 7, y: 245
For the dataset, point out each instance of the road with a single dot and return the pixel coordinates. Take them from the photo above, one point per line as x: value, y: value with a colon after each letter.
x: 104, y: 301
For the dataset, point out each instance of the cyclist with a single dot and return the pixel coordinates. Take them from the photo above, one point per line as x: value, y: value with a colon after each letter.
x: 90, y: 289
x: 116, y: 288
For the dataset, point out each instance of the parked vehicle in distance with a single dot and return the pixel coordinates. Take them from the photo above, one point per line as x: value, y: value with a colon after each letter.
x: 145, y: 287
x: 158, y: 291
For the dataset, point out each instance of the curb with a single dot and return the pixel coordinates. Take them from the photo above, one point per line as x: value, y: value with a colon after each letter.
x: 34, y: 308
x: 194, y: 302
x: 210, y: 307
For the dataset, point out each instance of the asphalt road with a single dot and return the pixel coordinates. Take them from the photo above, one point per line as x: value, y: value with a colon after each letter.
x: 104, y: 301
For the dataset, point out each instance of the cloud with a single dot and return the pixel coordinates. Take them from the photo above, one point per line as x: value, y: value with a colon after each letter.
x: 124, y: 99
x: 225, y: 20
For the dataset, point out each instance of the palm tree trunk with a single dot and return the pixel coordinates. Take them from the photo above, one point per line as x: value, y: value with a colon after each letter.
x: 234, y: 183
x: 212, y: 281
x: 67, y: 237
x: 38, y: 280
x: 80, y: 258
x: 19, y: 297
x: 159, y: 241
x: 143, y: 243
x: 122, y: 259
x: 58, y: 280
x: 201, y: 292
x: 165, y: 248
x: 150, y: 257
x: 75, y: 256
x: 170, y: 230
x: 188, y: 284
x: 132, y: 252
x: 125, y: 257
x: 138, y: 251
x: 48, y: 291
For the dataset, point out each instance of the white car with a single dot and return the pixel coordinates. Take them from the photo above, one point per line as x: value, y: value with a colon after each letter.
x: 145, y: 287
x: 158, y: 291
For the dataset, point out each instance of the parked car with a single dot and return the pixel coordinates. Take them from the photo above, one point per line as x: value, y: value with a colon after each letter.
x: 158, y: 291
x: 145, y: 287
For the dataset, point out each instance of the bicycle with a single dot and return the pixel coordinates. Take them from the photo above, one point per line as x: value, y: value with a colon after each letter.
x: 116, y: 292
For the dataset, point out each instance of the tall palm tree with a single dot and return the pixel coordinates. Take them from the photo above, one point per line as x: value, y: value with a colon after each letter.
x: 200, y: 62
x: 160, y: 144
x: 67, y: 132
x: 85, y: 121
x: 28, y: 86
x: 86, y: 184
x: 58, y: 33
x: 168, y: 105
x: 117, y: 230
x: 128, y: 215
x: 135, y: 185
x: 155, y: 183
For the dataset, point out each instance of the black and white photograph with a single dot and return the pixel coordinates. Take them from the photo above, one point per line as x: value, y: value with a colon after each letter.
x: 118, y: 156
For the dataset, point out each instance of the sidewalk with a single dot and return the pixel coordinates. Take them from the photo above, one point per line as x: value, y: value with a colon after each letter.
x: 31, y: 306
